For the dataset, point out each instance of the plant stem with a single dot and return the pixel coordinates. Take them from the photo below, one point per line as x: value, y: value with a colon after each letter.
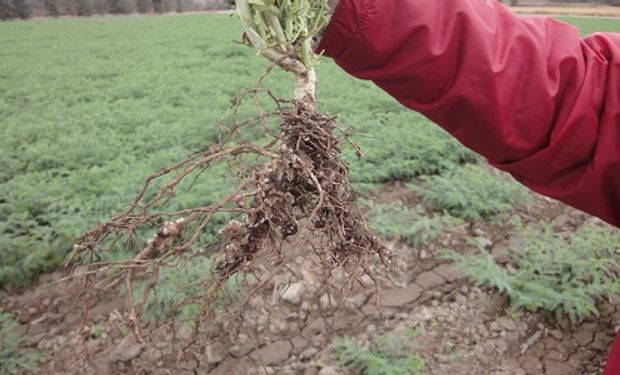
x: 305, y: 86
x: 282, y: 31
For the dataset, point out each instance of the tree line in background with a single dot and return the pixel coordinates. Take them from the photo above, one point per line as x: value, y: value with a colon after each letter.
x: 12, y: 9
x: 560, y: 2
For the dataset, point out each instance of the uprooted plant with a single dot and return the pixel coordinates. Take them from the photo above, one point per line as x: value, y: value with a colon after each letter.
x: 293, y: 188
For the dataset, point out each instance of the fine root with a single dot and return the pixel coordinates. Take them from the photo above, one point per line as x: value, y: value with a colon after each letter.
x: 293, y: 193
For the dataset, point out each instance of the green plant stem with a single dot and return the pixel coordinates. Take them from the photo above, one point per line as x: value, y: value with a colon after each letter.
x: 282, y: 31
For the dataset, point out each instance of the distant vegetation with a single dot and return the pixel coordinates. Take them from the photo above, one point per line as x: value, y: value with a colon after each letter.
x: 89, y: 107
x: 11, y: 9
x: 560, y: 2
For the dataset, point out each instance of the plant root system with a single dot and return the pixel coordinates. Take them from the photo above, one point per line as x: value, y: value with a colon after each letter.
x: 293, y: 192
x: 305, y: 187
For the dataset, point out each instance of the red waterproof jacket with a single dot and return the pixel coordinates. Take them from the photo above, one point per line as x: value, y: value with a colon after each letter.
x: 527, y: 93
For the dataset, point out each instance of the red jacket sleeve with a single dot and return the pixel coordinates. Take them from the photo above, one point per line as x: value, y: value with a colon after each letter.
x: 527, y: 93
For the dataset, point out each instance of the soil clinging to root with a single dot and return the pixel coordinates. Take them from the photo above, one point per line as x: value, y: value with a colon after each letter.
x: 295, y: 193
x: 304, y: 189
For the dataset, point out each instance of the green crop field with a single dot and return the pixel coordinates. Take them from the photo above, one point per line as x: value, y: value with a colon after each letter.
x: 89, y: 107
x: 588, y: 25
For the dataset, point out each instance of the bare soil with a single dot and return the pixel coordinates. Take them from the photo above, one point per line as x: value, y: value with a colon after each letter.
x: 464, y: 329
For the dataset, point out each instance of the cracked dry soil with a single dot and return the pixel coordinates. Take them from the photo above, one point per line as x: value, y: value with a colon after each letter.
x: 462, y: 329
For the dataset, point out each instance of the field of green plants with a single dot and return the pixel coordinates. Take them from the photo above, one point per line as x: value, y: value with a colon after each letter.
x: 89, y: 107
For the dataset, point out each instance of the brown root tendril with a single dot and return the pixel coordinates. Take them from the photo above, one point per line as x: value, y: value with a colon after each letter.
x: 296, y: 192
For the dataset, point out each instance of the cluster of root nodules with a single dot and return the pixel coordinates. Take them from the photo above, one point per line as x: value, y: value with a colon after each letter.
x: 304, y: 190
x: 295, y: 194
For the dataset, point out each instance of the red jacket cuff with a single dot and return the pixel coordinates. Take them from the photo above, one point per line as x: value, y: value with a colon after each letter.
x: 348, y: 21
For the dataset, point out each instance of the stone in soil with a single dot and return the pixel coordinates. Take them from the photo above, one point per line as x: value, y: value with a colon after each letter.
x: 584, y: 337
x: 215, y: 352
x: 557, y: 368
x: 402, y: 296
x: 449, y: 271
x: 556, y: 334
x: 127, y: 350
x: 429, y: 280
x: 330, y: 370
x: 293, y: 293
x: 274, y: 353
